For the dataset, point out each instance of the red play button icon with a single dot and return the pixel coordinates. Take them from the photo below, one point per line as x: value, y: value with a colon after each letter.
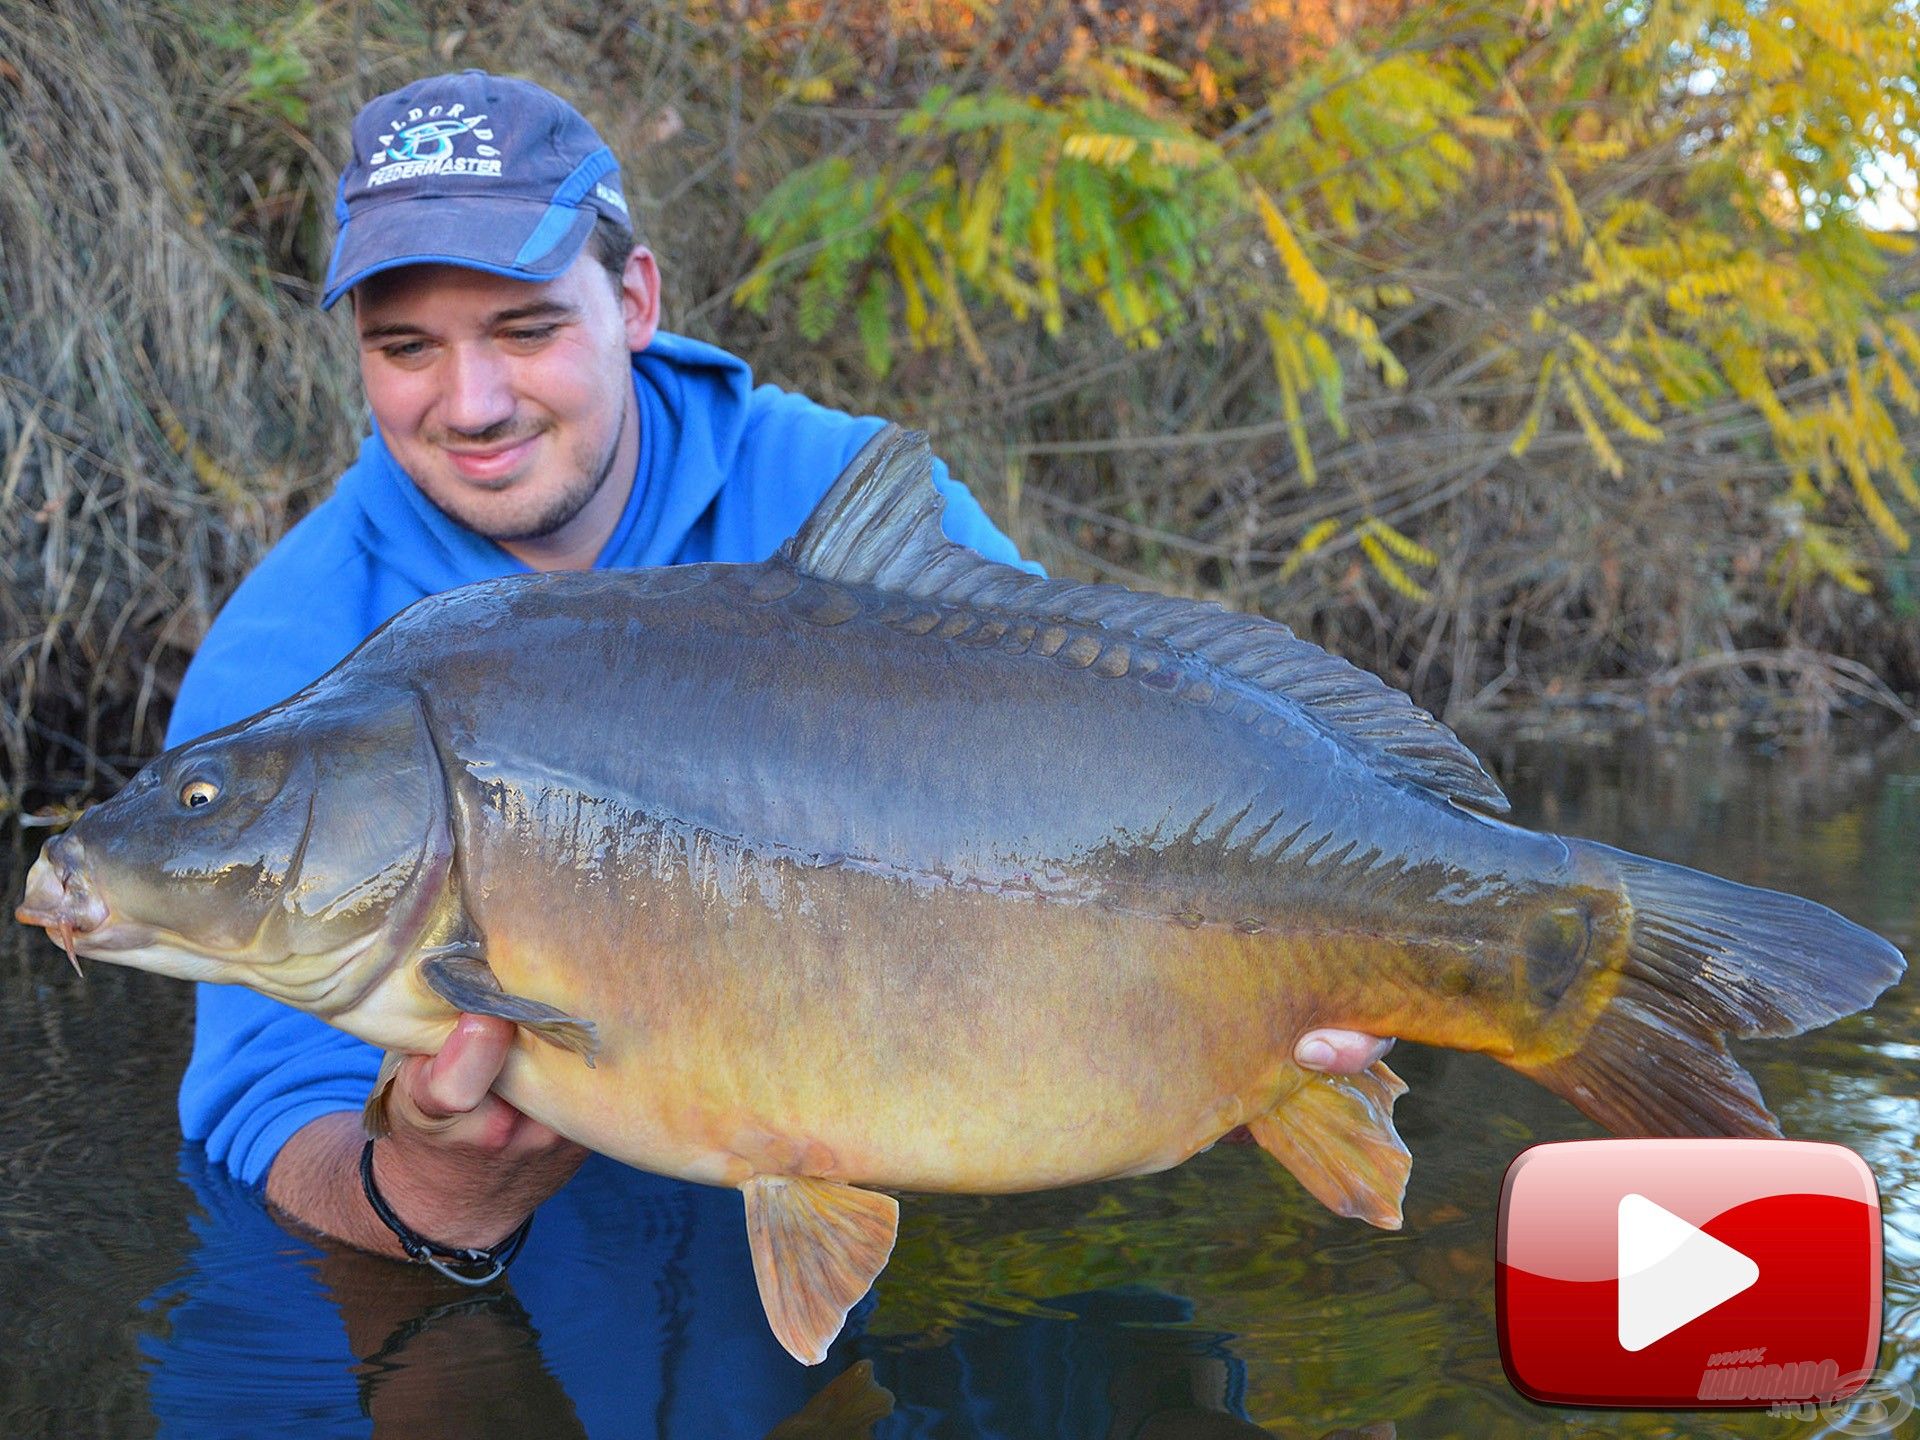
x: 1682, y: 1274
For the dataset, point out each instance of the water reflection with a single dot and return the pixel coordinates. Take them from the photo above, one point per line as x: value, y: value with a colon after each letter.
x: 631, y: 1311
x: 1127, y: 1363
x: 142, y: 1293
x: 262, y: 1333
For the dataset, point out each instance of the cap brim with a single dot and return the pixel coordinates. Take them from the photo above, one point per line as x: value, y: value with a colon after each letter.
x: 478, y: 233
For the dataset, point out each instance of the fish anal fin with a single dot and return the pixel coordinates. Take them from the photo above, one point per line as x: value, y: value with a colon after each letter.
x: 1336, y: 1135
x: 817, y: 1246
x: 373, y: 1115
x: 465, y: 981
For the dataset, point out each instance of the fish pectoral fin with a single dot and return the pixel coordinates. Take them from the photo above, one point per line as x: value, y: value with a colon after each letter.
x: 373, y: 1115
x: 467, y: 982
x: 847, y: 1409
x: 817, y: 1246
x: 1336, y: 1135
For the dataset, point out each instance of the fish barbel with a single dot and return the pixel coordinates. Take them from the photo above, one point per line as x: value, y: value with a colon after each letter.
x: 881, y: 867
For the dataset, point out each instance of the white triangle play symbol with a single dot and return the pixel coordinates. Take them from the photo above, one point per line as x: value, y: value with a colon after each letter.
x: 1671, y: 1272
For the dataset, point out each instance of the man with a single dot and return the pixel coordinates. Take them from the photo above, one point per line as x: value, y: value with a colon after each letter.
x: 528, y: 415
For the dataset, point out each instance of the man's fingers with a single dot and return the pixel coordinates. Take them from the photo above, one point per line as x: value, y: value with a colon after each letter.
x: 455, y: 1081
x: 447, y: 1098
x: 1339, y: 1052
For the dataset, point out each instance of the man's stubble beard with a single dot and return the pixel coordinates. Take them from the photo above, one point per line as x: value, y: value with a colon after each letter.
x: 560, y: 512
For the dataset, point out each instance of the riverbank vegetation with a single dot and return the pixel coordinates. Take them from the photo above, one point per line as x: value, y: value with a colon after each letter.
x: 1547, y: 351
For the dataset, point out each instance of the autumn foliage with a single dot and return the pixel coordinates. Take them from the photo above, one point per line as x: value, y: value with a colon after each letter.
x: 1513, y: 350
x: 1666, y: 205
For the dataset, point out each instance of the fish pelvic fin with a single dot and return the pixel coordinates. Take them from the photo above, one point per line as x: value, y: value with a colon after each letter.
x: 1705, y: 959
x: 465, y: 981
x: 879, y: 526
x: 1336, y: 1135
x: 373, y: 1115
x: 817, y: 1247
x: 847, y: 1409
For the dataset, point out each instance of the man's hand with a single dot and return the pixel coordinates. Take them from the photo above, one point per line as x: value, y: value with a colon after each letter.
x: 461, y: 1166
x: 1339, y: 1052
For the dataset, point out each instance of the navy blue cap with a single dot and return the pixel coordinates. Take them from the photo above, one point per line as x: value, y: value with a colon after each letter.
x: 470, y: 169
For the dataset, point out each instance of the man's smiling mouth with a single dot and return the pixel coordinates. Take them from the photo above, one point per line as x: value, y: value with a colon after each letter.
x: 491, y: 462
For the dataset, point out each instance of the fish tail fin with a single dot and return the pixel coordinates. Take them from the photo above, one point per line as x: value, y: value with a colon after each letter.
x: 1704, y: 959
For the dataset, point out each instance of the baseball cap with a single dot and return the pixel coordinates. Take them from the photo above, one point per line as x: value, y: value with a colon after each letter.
x: 471, y: 169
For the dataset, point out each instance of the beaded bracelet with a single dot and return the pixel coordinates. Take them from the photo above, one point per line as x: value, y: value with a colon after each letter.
x: 495, y: 1258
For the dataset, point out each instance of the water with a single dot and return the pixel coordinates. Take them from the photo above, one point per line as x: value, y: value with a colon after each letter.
x: 142, y: 1293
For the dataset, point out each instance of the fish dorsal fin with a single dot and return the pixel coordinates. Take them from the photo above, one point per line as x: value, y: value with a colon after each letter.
x: 880, y: 526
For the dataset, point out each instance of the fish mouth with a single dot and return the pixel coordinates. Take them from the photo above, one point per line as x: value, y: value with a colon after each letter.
x: 59, y: 899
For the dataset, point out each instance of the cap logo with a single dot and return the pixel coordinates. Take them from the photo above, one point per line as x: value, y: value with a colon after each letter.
x: 421, y: 142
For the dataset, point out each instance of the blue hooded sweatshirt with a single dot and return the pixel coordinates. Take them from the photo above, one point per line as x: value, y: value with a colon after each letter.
x: 727, y: 471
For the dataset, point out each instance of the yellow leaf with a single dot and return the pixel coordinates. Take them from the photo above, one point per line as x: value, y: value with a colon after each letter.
x: 1358, y: 327
x: 1594, y: 152
x: 976, y: 226
x: 1875, y: 504
x: 1152, y: 64
x: 1206, y: 84
x: 1833, y: 559
x: 1596, y: 437
x: 1343, y: 202
x: 1412, y: 551
x: 1312, y: 285
x: 1904, y: 482
x: 1745, y: 370
x: 1623, y: 415
x: 1289, y: 371
x: 1181, y: 152
x: 1325, y: 370
x: 917, y: 317
x: 208, y: 471
x: 1485, y: 127
x: 1773, y: 56
x: 1041, y: 239
x: 1530, y: 427
x: 1389, y: 568
x: 1571, y: 223
x: 1099, y: 149
x: 1904, y: 337
x: 1316, y: 536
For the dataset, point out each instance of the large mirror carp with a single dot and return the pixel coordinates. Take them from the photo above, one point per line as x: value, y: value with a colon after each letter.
x: 881, y: 867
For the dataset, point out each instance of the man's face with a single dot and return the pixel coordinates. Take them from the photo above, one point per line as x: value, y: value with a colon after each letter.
x: 506, y: 401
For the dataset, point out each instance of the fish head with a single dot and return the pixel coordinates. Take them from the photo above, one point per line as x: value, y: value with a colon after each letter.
x: 297, y: 853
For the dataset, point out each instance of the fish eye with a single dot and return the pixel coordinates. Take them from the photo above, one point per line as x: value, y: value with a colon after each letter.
x: 196, y: 793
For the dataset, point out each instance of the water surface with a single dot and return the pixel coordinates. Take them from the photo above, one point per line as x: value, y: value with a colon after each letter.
x: 143, y: 1293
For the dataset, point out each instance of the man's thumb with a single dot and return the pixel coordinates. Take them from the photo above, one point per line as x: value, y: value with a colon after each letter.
x: 456, y: 1080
